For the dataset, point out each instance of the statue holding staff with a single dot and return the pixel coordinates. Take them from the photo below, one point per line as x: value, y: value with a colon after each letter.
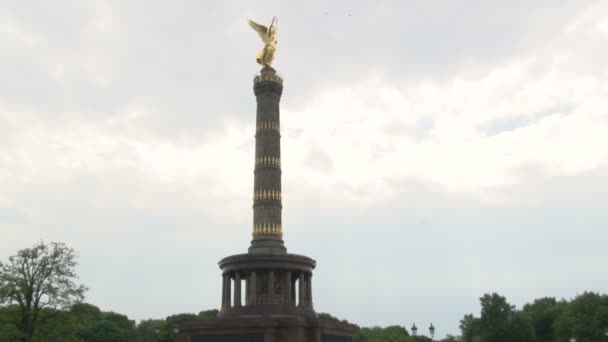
x: 268, y: 35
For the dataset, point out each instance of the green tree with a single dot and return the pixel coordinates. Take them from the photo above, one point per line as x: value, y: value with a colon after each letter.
x: 166, y: 329
x: 8, y: 330
x: 147, y: 330
x: 85, y: 315
x: 393, y: 333
x: 328, y: 317
x: 104, y: 331
x: 498, y: 322
x: 451, y: 338
x: 470, y: 327
x: 544, y: 312
x: 585, y: 317
x: 208, y: 314
x: 495, y: 315
x: 57, y: 326
x: 37, y: 278
x: 521, y: 328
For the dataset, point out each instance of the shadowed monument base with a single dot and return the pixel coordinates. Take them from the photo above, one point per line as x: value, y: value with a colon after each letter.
x: 267, y: 292
x: 265, y: 329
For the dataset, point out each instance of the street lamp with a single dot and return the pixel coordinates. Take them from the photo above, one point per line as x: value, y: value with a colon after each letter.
x: 414, y: 329
x: 432, y: 331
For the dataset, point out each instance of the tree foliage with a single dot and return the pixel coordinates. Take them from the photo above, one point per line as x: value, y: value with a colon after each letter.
x: 498, y: 322
x: 392, y: 333
x: 544, y: 312
x: 328, y: 317
x: 39, y: 278
x: 543, y: 320
x: 451, y: 338
x: 585, y: 317
x: 148, y: 329
x: 208, y: 314
x: 166, y: 329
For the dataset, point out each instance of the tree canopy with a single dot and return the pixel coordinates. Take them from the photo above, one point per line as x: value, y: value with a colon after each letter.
x: 37, y: 278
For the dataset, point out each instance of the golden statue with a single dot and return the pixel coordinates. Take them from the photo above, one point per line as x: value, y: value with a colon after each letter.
x: 268, y: 35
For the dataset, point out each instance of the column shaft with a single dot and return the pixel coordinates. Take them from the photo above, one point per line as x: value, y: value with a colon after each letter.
x: 293, y: 291
x: 267, y: 198
x: 228, y: 290
x: 270, y: 287
x: 253, y: 283
x: 223, y: 290
x: 309, y: 289
x: 287, y: 283
x: 301, y: 290
x: 247, y: 290
x: 237, y: 289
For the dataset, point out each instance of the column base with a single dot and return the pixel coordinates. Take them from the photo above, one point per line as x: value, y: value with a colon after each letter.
x: 267, y: 246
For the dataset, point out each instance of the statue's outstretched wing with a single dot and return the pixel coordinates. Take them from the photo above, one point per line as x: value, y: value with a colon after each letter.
x: 260, y: 29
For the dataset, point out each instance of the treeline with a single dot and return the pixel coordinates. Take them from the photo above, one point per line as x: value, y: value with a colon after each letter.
x: 87, y: 323
x: 40, y: 301
x: 584, y: 318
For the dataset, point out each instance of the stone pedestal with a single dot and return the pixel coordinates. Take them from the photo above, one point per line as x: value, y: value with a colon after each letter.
x: 266, y: 329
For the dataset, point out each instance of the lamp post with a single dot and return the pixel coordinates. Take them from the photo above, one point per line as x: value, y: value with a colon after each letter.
x: 414, y: 329
x: 432, y: 331
x: 156, y: 331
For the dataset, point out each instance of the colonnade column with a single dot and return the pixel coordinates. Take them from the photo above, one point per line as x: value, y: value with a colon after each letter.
x: 292, y: 285
x: 288, y: 288
x: 237, y: 289
x: 309, y: 289
x: 247, y: 290
x: 301, y: 290
x: 253, y: 289
x: 226, y: 290
x: 270, y: 289
x: 223, y: 291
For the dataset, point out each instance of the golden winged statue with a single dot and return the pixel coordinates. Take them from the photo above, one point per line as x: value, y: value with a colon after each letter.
x: 268, y: 35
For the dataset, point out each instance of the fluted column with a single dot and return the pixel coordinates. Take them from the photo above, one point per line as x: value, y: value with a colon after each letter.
x: 309, y: 289
x: 301, y: 290
x: 229, y: 291
x: 237, y: 289
x: 287, y: 283
x: 267, y: 196
x: 293, y: 291
x: 253, y: 283
x: 223, y: 290
x: 247, y: 289
x: 270, y: 292
x: 226, y: 291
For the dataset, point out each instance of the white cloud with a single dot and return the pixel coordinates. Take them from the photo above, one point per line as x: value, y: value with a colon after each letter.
x: 126, y: 136
x: 475, y: 131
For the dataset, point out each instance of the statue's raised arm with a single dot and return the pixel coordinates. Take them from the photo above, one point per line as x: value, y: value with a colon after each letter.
x: 268, y: 35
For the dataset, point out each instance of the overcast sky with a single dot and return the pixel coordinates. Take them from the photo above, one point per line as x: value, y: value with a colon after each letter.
x: 433, y: 151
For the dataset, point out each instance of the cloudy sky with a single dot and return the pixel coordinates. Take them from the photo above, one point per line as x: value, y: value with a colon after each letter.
x: 432, y: 151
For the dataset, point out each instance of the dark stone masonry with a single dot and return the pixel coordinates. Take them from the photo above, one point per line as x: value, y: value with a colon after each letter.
x: 267, y: 292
